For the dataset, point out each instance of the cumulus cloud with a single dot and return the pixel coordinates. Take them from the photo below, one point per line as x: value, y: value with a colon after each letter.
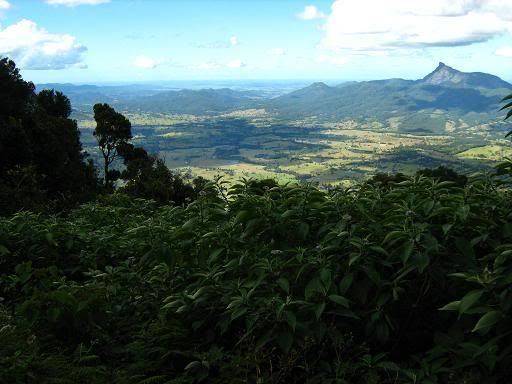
x: 32, y: 47
x: 4, y: 5
x: 369, y: 26
x: 504, y: 52
x: 237, y: 63
x: 311, y: 12
x: 76, y: 3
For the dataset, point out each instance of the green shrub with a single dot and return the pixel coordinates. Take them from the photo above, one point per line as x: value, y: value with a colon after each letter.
x: 267, y: 283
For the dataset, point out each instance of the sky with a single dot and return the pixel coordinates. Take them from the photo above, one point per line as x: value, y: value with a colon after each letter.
x: 87, y: 41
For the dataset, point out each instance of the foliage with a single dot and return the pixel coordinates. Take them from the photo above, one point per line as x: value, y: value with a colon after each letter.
x: 385, y: 180
x: 148, y: 177
x: 16, y: 94
x: 41, y: 163
x: 264, y: 283
x: 443, y: 173
x: 440, y: 173
x: 112, y: 131
x: 54, y: 103
x: 508, y: 105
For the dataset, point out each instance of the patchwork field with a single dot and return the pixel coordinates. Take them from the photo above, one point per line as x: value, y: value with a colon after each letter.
x: 255, y: 143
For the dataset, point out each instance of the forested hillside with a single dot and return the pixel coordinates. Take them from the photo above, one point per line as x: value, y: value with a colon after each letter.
x: 444, y: 89
x: 140, y: 275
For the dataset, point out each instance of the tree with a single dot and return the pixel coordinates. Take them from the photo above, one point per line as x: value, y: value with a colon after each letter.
x: 15, y: 93
x: 113, y: 130
x: 41, y: 161
x: 148, y: 177
x: 54, y: 103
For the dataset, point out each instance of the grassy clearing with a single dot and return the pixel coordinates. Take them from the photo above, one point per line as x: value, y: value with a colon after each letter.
x: 233, y: 172
x: 487, y: 152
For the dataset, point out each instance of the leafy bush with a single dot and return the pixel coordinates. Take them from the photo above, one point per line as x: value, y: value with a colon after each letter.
x: 264, y: 283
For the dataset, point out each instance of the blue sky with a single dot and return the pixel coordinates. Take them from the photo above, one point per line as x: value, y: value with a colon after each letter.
x: 146, y: 40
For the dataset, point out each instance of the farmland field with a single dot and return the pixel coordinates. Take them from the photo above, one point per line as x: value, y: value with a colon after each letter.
x: 255, y: 143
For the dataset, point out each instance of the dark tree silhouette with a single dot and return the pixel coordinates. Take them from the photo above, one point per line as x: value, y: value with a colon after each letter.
x: 41, y: 160
x: 443, y: 173
x: 54, y: 103
x: 148, y: 177
x: 113, y: 130
x: 15, y: 93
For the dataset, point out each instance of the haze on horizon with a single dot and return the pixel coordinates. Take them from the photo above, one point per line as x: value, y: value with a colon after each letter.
x: 129, y: 40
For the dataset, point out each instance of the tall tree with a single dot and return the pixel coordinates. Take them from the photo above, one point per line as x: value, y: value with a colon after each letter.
x: 113, y: 130
x: 16, y: 94
x: 41, y: 161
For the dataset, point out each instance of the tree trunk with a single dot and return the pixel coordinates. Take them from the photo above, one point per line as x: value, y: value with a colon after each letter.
x: 105, y: 170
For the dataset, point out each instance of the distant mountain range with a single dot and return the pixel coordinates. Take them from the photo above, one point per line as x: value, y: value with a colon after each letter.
x: 196, y: 102
x: 445, y: 89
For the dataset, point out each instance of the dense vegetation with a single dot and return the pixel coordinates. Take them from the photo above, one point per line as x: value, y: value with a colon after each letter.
x: 41, y: 163
x: 262, y: 283
x: 401, y: 279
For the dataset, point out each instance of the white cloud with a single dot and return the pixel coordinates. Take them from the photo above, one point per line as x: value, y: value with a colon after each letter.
x: 237, y: 63
x: 276, y: 52
x: 4, y: 5
x: 233, y: 40
x: 311, y: 12
x: 504, y: 52
x: 393, y: 25
x: 32, y: 47
x: 76, y: 3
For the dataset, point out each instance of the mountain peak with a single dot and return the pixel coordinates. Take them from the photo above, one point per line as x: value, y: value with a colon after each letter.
x: 319, y: 85
x: 448, y: 76
x: 443, y: 74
